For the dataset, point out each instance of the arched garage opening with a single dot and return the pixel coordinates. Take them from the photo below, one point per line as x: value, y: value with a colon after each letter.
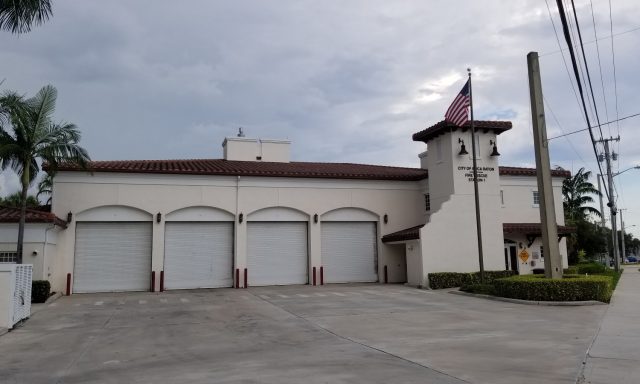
x: 112, y: 249
x: 349, y: 245
x: 198, y: 248
x: 277, y: 246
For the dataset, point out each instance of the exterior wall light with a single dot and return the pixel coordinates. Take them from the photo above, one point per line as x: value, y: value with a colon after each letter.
x: 69, y: 217
x: 386, y: 218
x: 495, y: 148
x: 240, y: 218
x: 463, y: 149
x: 158, y: 217
x: 315, y: 218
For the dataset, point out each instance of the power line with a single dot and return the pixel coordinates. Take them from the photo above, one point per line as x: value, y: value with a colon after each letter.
x: 595, y: 35
x: 567, y: 37
x: 563, y: 59
x: 586, y: 66
x: 574, y: 42
x: 607, y: 123
x: 593, y: 41
x: 562, y: 130
x: 613, y: 58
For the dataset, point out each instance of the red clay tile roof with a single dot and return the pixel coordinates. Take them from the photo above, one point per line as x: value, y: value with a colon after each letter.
x: 533, y: 228
x: 517, y: 171
x: 256, y: 168
x: 444, y: 126
x: 34, y: 215
x: 412, y: 233
x: 270, y: 169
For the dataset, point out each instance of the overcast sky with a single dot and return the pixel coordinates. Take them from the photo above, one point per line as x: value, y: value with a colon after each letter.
x: 346, y: 81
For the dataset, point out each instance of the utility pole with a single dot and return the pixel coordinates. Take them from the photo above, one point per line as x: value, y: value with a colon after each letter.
x: 612, y: 203
x: 603, y: 223
x: 553, y: 264
x: 624, y: 254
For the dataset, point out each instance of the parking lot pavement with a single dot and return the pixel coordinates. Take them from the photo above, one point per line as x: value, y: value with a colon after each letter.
x: 330, y: 334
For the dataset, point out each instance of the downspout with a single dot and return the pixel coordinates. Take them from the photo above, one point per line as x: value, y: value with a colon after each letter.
x: 44, y: 248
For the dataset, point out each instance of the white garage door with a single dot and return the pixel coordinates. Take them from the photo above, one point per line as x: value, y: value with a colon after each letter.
x: 277, y: 253
x: 349, y: 252
x: 198, y: 255
x: 112, y: 256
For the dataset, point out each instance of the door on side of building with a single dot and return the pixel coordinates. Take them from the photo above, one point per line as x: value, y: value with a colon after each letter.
x: 277, y: 253
x: 510, y: 257
x: 349, y: 251
x: 112, y: 256
x: 198, y: 255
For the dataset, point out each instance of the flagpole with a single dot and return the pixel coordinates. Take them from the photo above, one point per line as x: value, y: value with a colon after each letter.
x: 475, y: 182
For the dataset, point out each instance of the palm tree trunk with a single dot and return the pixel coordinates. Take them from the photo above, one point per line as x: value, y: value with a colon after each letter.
x: 23, y: 212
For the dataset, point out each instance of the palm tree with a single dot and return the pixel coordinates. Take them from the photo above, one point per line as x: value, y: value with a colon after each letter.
x: 28, y: 135
x: 17, y: 16
x: 45, y: 187
x: 577, y: 191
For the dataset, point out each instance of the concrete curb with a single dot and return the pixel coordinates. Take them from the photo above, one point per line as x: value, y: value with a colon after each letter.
x: 53, y: 298
x: 528, y: 302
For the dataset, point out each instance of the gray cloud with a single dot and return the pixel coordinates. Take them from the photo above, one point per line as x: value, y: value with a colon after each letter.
x: 344, y: 81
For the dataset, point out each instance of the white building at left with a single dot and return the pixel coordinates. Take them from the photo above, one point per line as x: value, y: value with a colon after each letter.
x: 254, y: 217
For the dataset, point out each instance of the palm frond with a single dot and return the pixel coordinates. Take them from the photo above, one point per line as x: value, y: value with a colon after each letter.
x: 17, y: 16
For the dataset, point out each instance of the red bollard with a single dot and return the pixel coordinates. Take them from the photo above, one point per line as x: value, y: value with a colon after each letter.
x: 161, y: 281
x: 321, y: 275
x: 246, y: 281
x: 153, y: 281
x: 314, y: 276
x: 386, y: 276
x: 68, y: 284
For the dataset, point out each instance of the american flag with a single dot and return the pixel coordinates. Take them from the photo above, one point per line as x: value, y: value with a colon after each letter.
x: 458, y: 113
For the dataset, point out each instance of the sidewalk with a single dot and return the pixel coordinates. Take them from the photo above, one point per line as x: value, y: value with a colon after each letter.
x: 614, y: 356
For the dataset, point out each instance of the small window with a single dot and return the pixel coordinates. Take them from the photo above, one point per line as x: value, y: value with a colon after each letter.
x: 8, y: 257
x: 542, y: 252
x: 536, y: 198
x: 427, y: 202
x: 501, y: 197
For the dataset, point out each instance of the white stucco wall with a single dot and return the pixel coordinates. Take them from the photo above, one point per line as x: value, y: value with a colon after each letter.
x: 81, y: 194
x: 518, y: 204
x: 38, y: 238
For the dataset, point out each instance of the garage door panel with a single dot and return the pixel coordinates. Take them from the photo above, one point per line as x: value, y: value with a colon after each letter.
x: 198, y: 255
x: 112, y: 256
x: 277, y: 253
x: 349, y: 252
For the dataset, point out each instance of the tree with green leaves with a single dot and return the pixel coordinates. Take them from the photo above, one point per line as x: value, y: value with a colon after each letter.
x: 15, y: 201
x: 17, y: 16
x: 45, y: 187
x: 28, y: 136
x: 577, y: 192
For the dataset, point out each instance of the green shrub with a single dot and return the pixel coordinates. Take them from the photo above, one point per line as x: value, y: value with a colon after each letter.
x: 591, y: 269
x: 441, y: 280
x: 40, y: 291
x: 483, y: 289
x: 570, y: 288
x: 572, y: 270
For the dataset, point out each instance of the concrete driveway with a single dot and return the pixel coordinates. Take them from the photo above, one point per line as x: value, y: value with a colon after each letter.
x: 332, y: 334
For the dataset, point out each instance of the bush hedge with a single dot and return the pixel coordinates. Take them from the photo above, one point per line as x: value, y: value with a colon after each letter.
x: 40, y: 291
x: 570, y: 288
x: 441, y: 280
x: 586, y: 268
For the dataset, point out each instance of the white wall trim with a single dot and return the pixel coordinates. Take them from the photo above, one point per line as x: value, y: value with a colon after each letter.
x: 350, y: 214
x: 113, y: 213
x: 277, y: 214
x: 200, y: 213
